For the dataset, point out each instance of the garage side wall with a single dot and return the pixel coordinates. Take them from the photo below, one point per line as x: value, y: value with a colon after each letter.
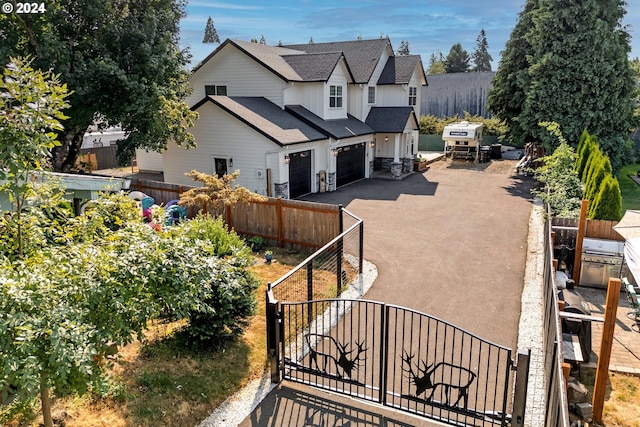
x: 222, y: 136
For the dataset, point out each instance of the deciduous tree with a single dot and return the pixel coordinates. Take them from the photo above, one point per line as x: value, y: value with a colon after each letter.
x: 217, y: 191
x: 121, y: 61
x: 437, y: 64
x: 31, y: 104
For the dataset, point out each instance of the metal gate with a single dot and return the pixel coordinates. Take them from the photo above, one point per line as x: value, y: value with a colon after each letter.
x: 391, y: 355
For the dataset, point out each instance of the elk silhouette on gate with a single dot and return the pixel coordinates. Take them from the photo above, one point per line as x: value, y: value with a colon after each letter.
x: 424, y: 379
x: 335, y: 352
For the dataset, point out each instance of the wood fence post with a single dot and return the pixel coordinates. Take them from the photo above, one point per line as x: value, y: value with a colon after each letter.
x: 602, y: 371
x: 280, y: 223
x: 582, y: 228
x: 228, y: 216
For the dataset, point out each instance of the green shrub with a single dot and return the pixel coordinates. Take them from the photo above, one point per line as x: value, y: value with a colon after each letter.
x: 585, y: 147
x: 592, y: 187
x: 563, y: 189
x: 608, y: 202
x: 432, y: 125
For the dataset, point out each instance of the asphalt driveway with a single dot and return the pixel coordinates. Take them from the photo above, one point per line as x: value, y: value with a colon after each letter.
x: 450, y: 242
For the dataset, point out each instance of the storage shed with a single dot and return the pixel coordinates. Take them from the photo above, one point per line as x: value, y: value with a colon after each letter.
x: 462, y: 139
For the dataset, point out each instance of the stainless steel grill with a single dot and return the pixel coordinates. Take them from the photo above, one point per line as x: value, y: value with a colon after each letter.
x: 600, y: 260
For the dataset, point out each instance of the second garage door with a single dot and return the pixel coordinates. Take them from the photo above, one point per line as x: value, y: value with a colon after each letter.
x: 350, y: 164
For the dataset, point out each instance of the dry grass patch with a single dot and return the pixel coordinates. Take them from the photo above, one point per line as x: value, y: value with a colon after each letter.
x: 622, y: 400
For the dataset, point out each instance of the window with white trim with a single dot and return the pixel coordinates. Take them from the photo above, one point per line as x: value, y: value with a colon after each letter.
x: 215, y: 90
x: 335, y: 96
x: 371, y: 98
x: 413, y: 95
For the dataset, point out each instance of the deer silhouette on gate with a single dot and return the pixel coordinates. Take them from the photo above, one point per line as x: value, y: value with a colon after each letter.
x: 424, y: 379
x: 333, y: 351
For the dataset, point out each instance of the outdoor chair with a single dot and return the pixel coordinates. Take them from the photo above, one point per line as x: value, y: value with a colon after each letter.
x: 632, y: 298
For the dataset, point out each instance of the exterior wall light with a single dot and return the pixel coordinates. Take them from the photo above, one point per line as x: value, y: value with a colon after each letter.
x: 287, y: 159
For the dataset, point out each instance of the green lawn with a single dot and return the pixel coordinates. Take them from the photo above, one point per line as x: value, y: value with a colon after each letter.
x: 629, y: 189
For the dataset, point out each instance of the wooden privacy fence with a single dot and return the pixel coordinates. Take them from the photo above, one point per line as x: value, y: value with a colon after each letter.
x: 596, y: 229
x: 290, y: 224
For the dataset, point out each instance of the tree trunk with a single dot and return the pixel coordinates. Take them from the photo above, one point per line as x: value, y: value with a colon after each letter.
x: 64, y: 157
x: 46, y: 403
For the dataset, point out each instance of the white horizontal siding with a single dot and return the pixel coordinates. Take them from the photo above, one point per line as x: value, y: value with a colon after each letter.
x: 149, y: 160
x: 220, y: 135
x: 241, y: 74
x: 339, y: 77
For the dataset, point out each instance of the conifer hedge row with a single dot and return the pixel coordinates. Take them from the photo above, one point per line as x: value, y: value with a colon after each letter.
x: 601, y: 188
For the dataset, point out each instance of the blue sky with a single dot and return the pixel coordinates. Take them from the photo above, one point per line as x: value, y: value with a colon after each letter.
x: 428, y: 25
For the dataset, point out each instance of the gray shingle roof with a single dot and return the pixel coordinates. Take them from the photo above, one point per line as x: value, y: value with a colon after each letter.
x: 390, y: 119
x: 399, y: 69
x: 362, y: 55
x: 336, y: 129
x: 267, y: 118
x: 270, y: 57
x: 314, y: 67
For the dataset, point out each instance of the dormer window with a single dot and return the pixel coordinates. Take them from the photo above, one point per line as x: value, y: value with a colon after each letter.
x: 413, y: 95
x: 215, y: 90
x: 335, y: 96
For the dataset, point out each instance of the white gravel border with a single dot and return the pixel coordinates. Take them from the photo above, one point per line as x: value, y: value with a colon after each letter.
x: 239, y: 406
x: 530, y: 330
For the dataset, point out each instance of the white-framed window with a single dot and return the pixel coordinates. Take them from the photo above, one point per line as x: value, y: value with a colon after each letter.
x: 335, y: 96
x: 371, y: 95
x: 215, y: 90
x: 413, y: 95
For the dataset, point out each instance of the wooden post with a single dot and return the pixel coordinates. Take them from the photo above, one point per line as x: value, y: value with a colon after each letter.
x: 582, y: 228
x: 602, y: 371
x: 280, y: 223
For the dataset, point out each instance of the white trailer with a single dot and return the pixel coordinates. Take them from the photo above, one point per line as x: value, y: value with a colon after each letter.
x: 462, y: 139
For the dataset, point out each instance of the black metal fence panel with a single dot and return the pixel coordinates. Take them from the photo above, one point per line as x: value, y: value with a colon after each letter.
x: 397, y: 357
x: 556, y: 397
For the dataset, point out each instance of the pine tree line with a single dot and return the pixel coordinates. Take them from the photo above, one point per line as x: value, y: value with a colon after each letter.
x: 459, y: 61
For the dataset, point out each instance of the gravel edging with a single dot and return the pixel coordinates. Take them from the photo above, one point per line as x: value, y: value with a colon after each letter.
x: 530, y: 329
x: 239, y: 406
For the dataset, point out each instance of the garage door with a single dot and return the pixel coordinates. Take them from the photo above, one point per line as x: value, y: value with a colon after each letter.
x: 299, y: 174
x: 350, y: 164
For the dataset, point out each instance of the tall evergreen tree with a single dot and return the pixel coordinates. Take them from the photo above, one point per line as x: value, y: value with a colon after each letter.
x: 510, y: 84
x: 403, y: 49
x: 585, y: 147
x: 608, y: 203
x: 569, y: 78
x: 457, y: 60
x: 481, y: 57
x: 602, y: 169
x: 210, y: 33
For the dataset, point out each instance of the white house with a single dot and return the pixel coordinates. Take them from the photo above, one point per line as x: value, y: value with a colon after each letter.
x: 301, y: 118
